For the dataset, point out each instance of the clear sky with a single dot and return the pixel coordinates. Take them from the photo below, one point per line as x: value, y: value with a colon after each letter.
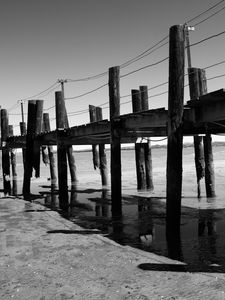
x: 46, y: 40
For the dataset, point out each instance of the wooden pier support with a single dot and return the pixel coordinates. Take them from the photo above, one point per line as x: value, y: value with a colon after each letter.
x: 29, y: 147
x: 5, y: 152
x: 37, y: 130
x: 93, y: 118
x: 147, y: 146
x: 114, y: 101
x: 13, y: 164
x: 102, y: 155
x: 34, y: 125
x: 175, y: 135
x: 61, y: 151
x: 23, y: 131
x: 139, y: 147
x: 46, y: 128
x: 194, y: 86
x: 207, y: 141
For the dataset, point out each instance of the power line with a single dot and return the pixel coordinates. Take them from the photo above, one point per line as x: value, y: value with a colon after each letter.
x: 145, y: 67
x: 87, y: 93
x: 208, y: 38
x: 209, y: 17
x: 207, y: 10
x: 39, y: 94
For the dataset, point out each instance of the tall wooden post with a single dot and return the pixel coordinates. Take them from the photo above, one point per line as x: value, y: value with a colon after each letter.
x: 61, y: 151
x: 175, y: 135
x: 194, y: 86
x: 139, y: 148
x: 147, y: 146
x: 13, y: 163
x: 23, y: 131
x: 207, y: 141
x: 5, y: 152
x: 93, y: 118
x: 102, y: 155
x: 38, y: 129
x: 69, y: 149
x: 114, y: 101
x: 53, y: 176
x: 31, y: 123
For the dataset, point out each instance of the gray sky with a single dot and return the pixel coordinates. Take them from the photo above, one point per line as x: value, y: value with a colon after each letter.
x: 44, y: 40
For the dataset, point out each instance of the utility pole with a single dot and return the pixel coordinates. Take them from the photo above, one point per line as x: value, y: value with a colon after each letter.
x: 188, y: 28
x: 62, y: 81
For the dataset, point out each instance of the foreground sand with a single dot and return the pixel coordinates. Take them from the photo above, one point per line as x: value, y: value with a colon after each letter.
x: 43, y: 256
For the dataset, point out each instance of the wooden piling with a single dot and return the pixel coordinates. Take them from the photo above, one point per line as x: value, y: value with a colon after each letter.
x: 194, y: 86
x: 175, y: 136
x: 208, y: 151
x: 46, y: 128
x: 147, y: 146
x: 69, y: 150
x: 37, y: 130
x: 23, y: 131
x: 61, y: 151
x: 5, y: 152
x: 102, y: 155
x: 114, y: 101
x: 139, y: 148
x: 95, y: 154
x: 13, y: 164
x: 31, y: 124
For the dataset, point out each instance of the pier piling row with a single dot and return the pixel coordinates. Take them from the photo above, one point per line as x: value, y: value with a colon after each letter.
x: 204, y: 115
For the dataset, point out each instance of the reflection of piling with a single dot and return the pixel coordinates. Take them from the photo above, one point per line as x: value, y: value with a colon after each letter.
x: 102, y: 154
x: 194, y: 86
x: 114, y: 101
x: 139, y: 148
x: 61, y: 151
x: 175, y: 114
x: 46, y: 125
x: 93, y: 118
x: 5, y: 151
x: 147, y: 146
x: 13, y: 164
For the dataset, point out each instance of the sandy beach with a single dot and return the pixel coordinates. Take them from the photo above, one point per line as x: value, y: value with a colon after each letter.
x: 43, y: 256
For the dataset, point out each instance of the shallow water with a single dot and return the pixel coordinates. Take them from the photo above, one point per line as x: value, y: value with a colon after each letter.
x: 201, y: 240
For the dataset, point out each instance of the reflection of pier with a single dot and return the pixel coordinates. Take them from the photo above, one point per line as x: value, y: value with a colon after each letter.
x: 204, y: 114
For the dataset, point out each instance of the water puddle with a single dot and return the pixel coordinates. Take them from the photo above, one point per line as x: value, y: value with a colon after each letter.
x: 199, y: 242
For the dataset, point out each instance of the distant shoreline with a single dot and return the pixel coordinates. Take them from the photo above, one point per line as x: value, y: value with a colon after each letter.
x: 157, y: 146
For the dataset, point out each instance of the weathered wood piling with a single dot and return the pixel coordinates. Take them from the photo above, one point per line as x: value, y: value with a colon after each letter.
x: 13, y: 164
x: 207, y: 141
x: 102, y: 155
x: 46, y: 128
x: 139, y: 148
x: 194, y: 86
x: 114, y: 104
x: 5, y: 152
x: 61, y: 151
x: 95, y: 154
x: 175, y: 134
x: 32, y: 161
x: 147, y: 146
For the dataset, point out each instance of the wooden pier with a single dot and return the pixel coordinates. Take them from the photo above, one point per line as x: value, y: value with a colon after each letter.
x: 203, y: 115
